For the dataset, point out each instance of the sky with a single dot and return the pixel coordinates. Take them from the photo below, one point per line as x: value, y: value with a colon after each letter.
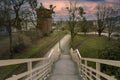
x: 88, y: 5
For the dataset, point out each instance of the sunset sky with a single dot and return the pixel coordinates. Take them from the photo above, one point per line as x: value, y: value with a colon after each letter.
x: 88, y: 5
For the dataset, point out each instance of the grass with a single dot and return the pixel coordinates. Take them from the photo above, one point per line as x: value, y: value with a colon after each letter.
x: 90, y: 45
x: 43, y: 43
x: 37, y: 50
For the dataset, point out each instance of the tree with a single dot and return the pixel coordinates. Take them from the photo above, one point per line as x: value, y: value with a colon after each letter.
x: 84, y: 27
x: 6, y: 20
x: 33, y: 4
x: 110, y: 20
x: 82, y: 20
x: 101, y: 16
x: 17, y: 6
x: 26, y: 15
x: 111, y: 53
x: 72, y: 21
x: 52, y: 9
x: 2, y: 15
x: 73, y: 10
x: 81, y: 12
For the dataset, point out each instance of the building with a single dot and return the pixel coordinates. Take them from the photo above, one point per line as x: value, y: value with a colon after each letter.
x: 44, y: 20
x: 3, y: 30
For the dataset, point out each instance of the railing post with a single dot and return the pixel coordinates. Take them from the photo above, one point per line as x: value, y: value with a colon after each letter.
x: 98, y: 69
x: 29, y: 65
x: 80, y: 67
x: 86, y: 69
x: 90, y: 74
x: 85, y: 65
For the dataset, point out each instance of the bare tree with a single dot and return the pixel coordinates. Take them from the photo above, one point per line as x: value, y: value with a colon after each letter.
x: 6, y: 19
x: 112, y: 17
x: 74, y: 11
x: 25, y: 16
x: 17, y: 6
x: 33, y: 4
x: 110, y: 20
x: 72, y: 19
x: 118, y: 13
x: 1, y: 13
x: 84, y: 26
x: 101, y: 16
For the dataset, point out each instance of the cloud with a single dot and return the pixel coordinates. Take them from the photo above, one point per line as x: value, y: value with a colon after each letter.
x: 95, y: 0
x: 88, y: 5
x: 112, y: 1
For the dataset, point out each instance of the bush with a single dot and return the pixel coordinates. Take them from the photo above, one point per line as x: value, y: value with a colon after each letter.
x: 63, y: 28
x: 112, y: 53
x: 21, y: 42
x: 34, y: 35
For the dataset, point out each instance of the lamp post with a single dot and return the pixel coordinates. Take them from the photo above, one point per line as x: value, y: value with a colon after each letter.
x: 59, y: 48
x: 59, y: 24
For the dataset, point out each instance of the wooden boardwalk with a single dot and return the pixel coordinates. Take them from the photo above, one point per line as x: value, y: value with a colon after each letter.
x: 64, y: 69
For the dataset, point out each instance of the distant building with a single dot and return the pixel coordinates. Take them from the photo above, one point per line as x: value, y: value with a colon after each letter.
x: 3, y: 30
x: 44, y: 20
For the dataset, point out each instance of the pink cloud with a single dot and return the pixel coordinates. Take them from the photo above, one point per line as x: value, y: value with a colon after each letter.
x: 62, y: 4
x: 59, y: 4
x: 89, y: 7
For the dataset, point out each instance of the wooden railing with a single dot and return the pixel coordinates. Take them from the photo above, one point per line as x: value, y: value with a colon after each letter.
x: 38, y: 72
x: 90, y: 73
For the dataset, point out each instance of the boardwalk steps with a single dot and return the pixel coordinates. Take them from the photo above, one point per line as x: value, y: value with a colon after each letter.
x: 65, y: 69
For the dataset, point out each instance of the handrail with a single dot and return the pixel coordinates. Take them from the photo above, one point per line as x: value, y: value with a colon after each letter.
x: 32, y: 73
x: 87, y: 71
x: 101, y: 61
x: 51, y: 53
x: 20, y: 61
x: 78, y: 53
x: 25, y: 73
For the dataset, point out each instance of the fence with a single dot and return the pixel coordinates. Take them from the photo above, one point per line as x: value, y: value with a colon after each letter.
x: 90, y: 73
x: 39, y: 72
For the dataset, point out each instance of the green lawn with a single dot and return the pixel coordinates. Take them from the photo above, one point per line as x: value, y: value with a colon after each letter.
x: 89, y: 45
x: 36, y: 50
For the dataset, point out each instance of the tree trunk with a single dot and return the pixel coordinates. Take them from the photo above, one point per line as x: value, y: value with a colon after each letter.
x: 109, y: 34
x: 85, y: 33
x: 99, y: 33
x: 10, y: 40
x: 18, y: 20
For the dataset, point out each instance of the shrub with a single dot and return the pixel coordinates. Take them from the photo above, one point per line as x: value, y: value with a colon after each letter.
x: 34, y: 35
x: 62, y: 28
x: 112, y: 53
x: 21, y: 42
